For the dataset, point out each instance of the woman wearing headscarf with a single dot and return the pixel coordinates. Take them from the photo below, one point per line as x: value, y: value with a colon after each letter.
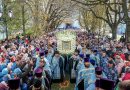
x: 119, y: 64
x: 127, y: 74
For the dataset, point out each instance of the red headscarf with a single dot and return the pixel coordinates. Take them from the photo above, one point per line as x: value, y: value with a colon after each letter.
x: 126, y: 77
x: 13, y: 59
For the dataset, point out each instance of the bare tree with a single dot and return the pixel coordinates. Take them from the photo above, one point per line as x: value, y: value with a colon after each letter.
x: 112, y: 9
x: 90, y: 22
x: 48, y: 14
x: 126, y: 18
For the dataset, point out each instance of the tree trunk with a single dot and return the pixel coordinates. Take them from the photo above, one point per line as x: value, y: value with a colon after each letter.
x: 114, y: 31
x: 23, y: 19
x: 127, y: 31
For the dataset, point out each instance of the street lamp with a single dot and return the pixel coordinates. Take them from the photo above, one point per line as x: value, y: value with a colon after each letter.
x: 3, y: 17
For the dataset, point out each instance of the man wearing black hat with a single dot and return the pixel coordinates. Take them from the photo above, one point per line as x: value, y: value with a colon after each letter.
x: 44, y: 65
x: 40, y: 80
x: 46, y: 70
x: 98, y: 71
x: 73, y: 62
x: 102, y: 83
x: 86, y: 76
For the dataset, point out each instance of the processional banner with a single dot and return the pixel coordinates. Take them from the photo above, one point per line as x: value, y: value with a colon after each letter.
x: 66, y: 41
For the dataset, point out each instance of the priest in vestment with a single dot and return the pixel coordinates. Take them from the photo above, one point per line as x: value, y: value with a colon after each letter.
x: 57, y: 67
x: 86, y: 77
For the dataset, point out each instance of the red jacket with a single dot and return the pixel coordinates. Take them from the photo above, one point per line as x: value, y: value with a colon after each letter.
x: 126, y: 77
x: 121, y: 55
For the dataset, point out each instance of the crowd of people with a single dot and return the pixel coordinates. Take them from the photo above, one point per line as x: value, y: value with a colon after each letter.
x: 35, y: 63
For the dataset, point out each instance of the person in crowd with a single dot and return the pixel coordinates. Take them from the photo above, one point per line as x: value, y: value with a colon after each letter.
x: 57, y: 67
x: 102, y: 83
x: 104, y: 61
x: 123, y: 71
x: 124, y: 85
x: 111, y: 71
x: 124, y: 49
x: 119, y: 52
x: 88, y: 51
x: 43, y: 63
x: 48, y: 56
x: 128, y: 57
x: 128, y: 48
x: 46, y: 68
x: 86, y: 76
x: 37, y: 85
x: 4, y: 85
x: 79, y: 47
x: 73, y: 62
x: 95, y: 56
x: 119, y: 64
x: 127, y: 74
x: 21, y: 57
x: 122, y: 39
x: 80, y: 64
x: 40, y: 80
x: 83, y: 52
x: 98, y: 72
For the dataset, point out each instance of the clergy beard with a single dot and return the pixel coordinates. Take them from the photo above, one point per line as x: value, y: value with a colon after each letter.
x: 87, y: 66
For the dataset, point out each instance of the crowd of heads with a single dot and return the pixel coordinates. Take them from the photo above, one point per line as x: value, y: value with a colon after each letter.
x: 18, y: 58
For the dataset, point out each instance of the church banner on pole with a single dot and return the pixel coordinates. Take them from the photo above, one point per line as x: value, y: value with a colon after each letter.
x: 66, y: 41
